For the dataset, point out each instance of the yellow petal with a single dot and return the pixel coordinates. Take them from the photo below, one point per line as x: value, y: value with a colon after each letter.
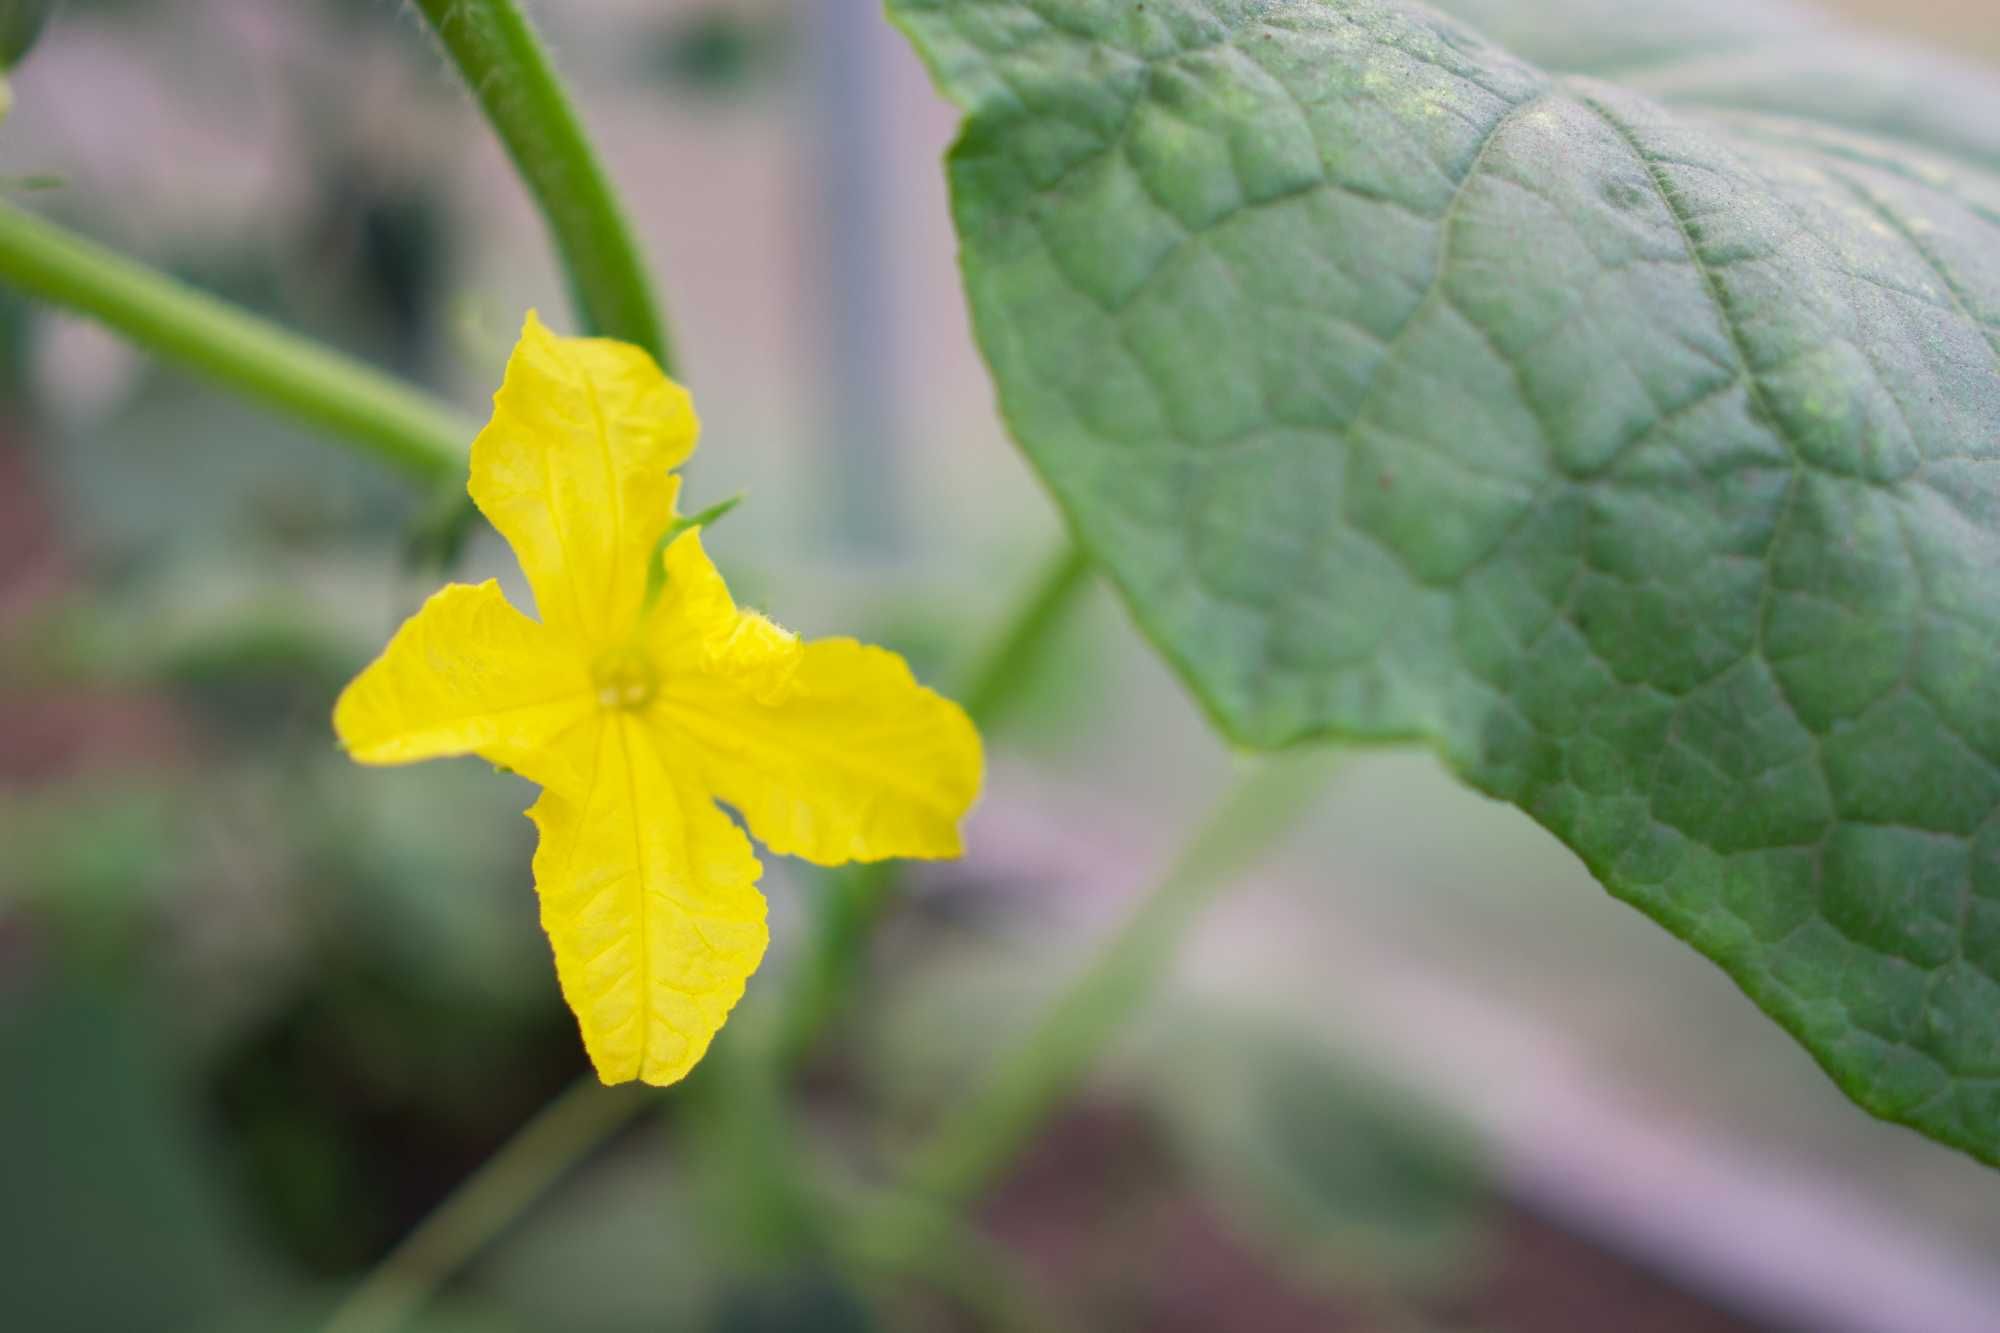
x: 649, y: 896
x: 830, y: 750
x: 575, y: 470
x: 697, y: 630
x: 468, y: 674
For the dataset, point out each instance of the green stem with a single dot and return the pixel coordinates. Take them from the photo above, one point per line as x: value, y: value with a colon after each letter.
x: 508, y: 71
x: 1045, y: 1065
x: 855, y: 900
x: 346, y: 398
x: 746, y: 1167
x: 562, y: 1134
x: 993, y: 686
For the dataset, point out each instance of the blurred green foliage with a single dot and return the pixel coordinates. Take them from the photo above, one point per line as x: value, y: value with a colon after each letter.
x: 20, y: 24
x: 1345, y: 1180
x: 112, y: 1216
x: 719, y: 50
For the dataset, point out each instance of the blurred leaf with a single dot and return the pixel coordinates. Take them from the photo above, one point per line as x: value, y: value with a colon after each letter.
x: 455, y: 916
x: 1341, y: 1177
x: 797, y: 1301
x: 91, y: 866
x: 718, y: 50
x: 346, y: 1127
x: 20, y: 24
x: 418, y: 1027
x: 108, y: 1218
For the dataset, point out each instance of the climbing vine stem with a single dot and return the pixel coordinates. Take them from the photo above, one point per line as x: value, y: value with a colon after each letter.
x: 348, y: 399
x: 508, y: 70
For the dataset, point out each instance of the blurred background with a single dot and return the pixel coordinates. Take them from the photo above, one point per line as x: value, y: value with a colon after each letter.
x: 260, y: 1012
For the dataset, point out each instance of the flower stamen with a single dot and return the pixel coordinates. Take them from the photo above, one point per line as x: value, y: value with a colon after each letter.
x: 625, y: 681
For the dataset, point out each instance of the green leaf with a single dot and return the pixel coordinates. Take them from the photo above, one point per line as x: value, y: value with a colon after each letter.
x: 1620, y: 416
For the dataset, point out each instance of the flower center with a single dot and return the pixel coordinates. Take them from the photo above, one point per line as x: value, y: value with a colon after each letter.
x: 625, y: 681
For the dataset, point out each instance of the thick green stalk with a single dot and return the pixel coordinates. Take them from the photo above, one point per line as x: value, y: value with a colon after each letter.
x: 855, y: 899
x: 509, y: 72
x: 346, y: 398
x: 1045, y: 1064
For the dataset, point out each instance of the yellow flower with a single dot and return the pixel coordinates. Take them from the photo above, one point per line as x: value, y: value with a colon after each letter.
x: 637, y: 702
